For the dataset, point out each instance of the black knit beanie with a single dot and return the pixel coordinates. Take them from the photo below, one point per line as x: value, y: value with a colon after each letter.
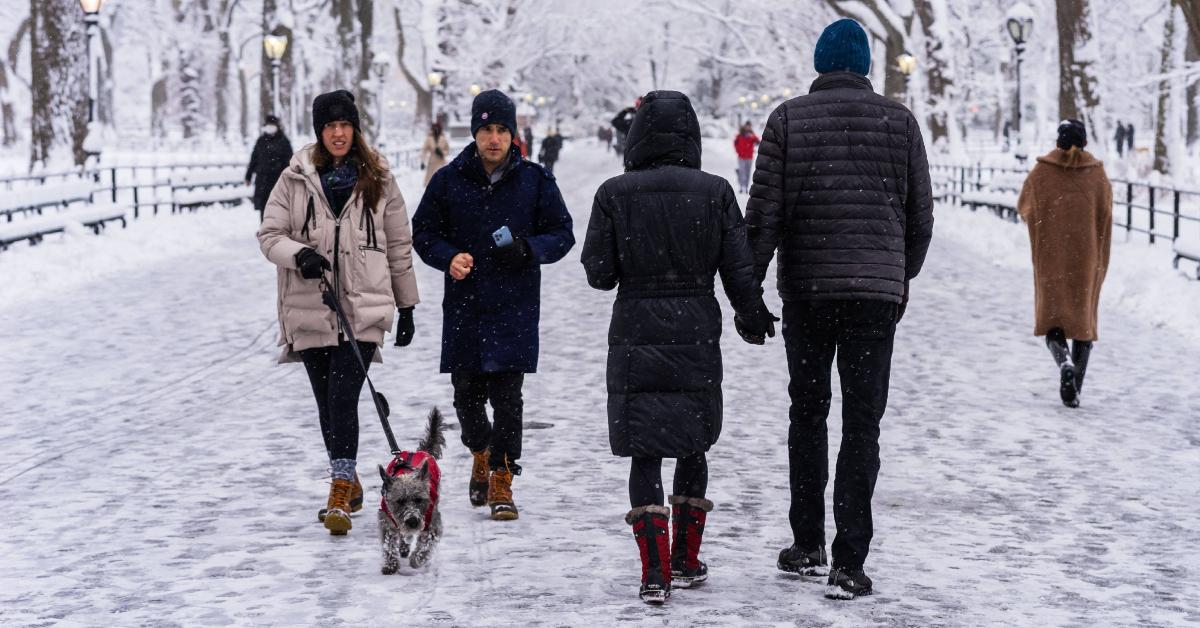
x: 332, y: 107
x: 493, y: 107
x: 1071, y: 133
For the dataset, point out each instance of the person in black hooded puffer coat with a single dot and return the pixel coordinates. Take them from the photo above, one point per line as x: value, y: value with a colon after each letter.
x: 660, y: 233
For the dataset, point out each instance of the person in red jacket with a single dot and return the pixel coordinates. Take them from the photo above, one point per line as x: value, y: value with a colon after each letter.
x: 744, y: 144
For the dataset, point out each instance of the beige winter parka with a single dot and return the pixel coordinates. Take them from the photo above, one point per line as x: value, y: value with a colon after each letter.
x: 374, y: 253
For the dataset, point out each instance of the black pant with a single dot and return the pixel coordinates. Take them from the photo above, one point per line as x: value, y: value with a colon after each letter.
x: 337, y: 381
x: 502, y: 437
x: 645, y: 479
x: 861, y: 334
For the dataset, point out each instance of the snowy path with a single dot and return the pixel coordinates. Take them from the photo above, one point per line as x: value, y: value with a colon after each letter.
x: 157, y: 469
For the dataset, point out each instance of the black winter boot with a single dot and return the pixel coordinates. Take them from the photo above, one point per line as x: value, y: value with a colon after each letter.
x: 650, y: 531
x: 1081, y: 351
x: 847, y: 584
x: 814, y: 562
x: 1056, y: 342
x: 688, y: 515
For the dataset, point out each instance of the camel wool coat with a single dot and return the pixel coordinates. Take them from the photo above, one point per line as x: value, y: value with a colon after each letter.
x: 1067, y: 204
x: 430, y: 157
x: 373, y: 252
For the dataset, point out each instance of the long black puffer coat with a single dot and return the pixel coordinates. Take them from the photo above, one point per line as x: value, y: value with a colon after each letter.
x: 660, y: 233
x: 841, y: 188
x: 270, y: 157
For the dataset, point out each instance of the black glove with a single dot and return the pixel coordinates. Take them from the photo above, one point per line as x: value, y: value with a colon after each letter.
x: 404, y: 327
x: 757, y: 327
x: 903, y: 304
x: 311, y: 263
x: 514, y: 255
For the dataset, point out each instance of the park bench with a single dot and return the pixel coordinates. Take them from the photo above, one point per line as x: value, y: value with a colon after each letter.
x: 191, y: 190
x: 35, y: 228
x: 1000, y: 195
x: 34, y: 199
x: 1189, y: 251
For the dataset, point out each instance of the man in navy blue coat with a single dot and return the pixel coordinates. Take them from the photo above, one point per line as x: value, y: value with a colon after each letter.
x: 493, y: 291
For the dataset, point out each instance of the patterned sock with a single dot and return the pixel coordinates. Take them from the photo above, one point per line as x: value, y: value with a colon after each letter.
x: 343, y: 468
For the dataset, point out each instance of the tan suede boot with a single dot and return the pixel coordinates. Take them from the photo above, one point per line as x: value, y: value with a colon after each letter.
x: 356, y: 499
x: 337, y: 509
x: 480, y: 478
x: 500, y: 496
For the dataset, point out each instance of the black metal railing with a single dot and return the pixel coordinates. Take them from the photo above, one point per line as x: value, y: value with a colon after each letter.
x: 1156, y: 211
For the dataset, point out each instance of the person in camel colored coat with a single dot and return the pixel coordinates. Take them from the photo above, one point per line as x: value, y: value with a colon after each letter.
x: 1067, y: 204
x: 435, y: 152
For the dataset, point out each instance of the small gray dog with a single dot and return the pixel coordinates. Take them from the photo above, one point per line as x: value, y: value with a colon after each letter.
x: 409, y: 522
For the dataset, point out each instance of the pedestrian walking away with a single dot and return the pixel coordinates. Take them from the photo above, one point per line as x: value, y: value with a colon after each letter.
x: 1120, y: 139
x: 621, y: 124
x: 660, y: 234
x: 551, y: 146
x: 1067, y: 204
x: 489, y: 220
x: 529, y: 140
x: 435, y: 151
x: 744, y: 144
x: 337, y: 215
x: 842, y: 190
x: 1129, y: 148
x: 270, y: 156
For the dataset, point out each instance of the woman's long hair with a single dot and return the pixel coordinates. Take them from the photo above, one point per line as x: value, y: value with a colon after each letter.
x: 371, y: 171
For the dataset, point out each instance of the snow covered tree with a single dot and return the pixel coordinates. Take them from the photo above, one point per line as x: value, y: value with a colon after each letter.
x: 60, y: 82
x: 1078, y: 53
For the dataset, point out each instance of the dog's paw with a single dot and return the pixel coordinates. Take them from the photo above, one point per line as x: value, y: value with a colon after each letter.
x: 389, y: 568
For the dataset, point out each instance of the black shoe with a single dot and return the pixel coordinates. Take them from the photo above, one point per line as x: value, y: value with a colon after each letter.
x: 684, y: 578
x: 655, y: 593
x: 1066, y: 387
x: 847, y: 584
x: 806, y: 563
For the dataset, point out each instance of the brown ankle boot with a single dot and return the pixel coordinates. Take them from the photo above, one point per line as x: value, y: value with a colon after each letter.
x: 356, y: 499
x: 480, y: 478
x: 337, y: 509
x: 500, y: 496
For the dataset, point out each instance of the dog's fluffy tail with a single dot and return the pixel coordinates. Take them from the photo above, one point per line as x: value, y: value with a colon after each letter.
x: 434, y: 439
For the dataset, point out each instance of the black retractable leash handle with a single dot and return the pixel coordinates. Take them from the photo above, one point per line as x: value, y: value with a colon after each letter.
x: 381, y: 404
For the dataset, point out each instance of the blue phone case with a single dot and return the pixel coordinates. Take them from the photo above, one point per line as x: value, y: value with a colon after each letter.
x: 502, y: 236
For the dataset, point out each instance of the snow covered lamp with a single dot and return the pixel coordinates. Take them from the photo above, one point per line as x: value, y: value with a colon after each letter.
x: 474, y: 90
x: 787, y: 92
x: 907, y: 65
x: 541, y: 101
x: 1020, y: 27
x: 91, y: 17
x: 275, y: 46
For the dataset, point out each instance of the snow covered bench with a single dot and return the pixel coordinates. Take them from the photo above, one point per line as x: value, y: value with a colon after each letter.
x: 1188, y: 251
x: 36, y: 198
x: 1003, y: 203
x: 37, y: 227
x: 190, y: 190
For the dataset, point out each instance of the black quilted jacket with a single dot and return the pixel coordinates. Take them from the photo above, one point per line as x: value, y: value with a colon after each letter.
x: 841, y: 189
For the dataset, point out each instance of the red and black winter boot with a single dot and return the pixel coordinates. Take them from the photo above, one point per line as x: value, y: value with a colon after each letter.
x: 687, y: 519
x: 650, y: 531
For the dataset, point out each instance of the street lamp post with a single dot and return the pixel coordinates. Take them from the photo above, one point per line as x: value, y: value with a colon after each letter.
x: 91, y: 17
x: 1020, y: 27
x: 437, y: 83
x: 275, y: 46
x: 379, y: 65
x: 907, y: 64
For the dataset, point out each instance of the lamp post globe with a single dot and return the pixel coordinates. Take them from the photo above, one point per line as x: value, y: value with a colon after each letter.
x: 275, y: 46
x: 91, y: 18
x: 1019, y: 23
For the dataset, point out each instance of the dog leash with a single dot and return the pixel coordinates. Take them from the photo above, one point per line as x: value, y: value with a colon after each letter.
x: 381, y: 404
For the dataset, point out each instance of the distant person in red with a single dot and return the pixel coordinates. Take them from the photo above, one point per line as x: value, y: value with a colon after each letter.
x: 744, y: 144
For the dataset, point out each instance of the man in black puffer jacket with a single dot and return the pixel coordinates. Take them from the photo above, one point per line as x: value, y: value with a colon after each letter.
x: 842, y: 190
x: 660, y: 233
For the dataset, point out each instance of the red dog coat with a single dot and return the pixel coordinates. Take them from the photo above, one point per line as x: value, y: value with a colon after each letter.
x: 409, y: 462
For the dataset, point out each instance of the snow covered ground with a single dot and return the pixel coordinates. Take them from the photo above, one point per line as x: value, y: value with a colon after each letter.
x: 157, y: 468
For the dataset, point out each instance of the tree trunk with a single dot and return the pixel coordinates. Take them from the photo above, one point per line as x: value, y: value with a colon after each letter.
x: 1162, y: 161
x: 371, y: 99
x: 58, y: 64
x: 895, y: 40
x: 1078, y: 97
x: 937, y: 72
x: 8, y: 134
x: 424, y: 95
x: 346, y: 66
x: 224, y: 62
x: 1192, y: 55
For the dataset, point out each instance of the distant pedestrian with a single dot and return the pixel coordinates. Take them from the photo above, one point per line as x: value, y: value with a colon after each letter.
x: 435, y: 151
x: 270, y: 156
x: 529, y: 140
x: 489, y: 221
x: 661, y: 233
x: 337, y: 214
x: 842, y: 190
x: 744, y: 144
x: 1067, y: 204
x: 1120, y: 139
x: 1129, y: 139
x: 551, y: 146
x: 621, y: 124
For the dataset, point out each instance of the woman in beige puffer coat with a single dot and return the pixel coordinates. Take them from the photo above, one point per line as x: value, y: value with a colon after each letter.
x: 337, y: 213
